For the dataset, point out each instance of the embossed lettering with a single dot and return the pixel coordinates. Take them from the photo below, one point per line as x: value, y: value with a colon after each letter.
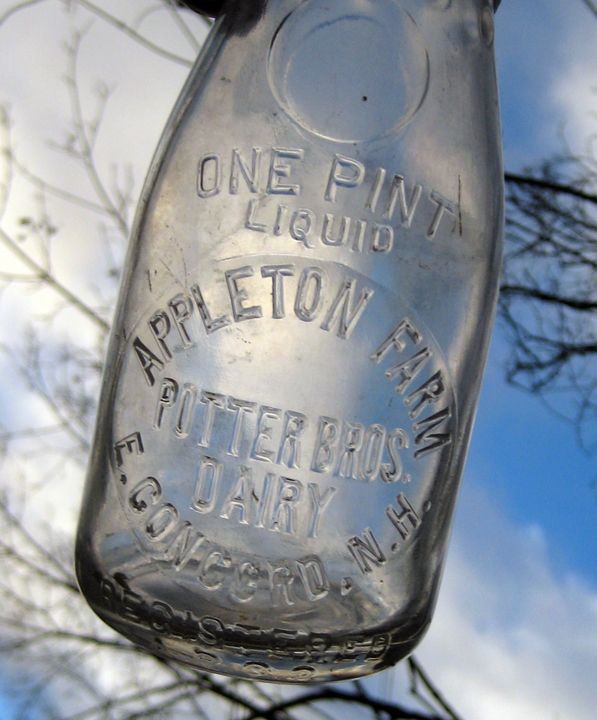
x: 288, y: 438
x: 300, y: 226
x: 309, y: 294
x: 359, y: 236
x: 352, y: 440
x: 210, y: 324
x: 273, y: 173
x: 277, y: 273
x: 263, y: 501
x: 209, y: 175
x: 244, y: 585
x: 239, y: 167
x: 397, y: 440
x: 264, y: 434
x: 184, y: 545
x: 429, y: 392
x: 181, y: 309
x: 314, y: 579
x: 239, y: 295
x: 424, y: 429
x: 382, y: 238
x: 366, y: 551
x: 166, y: 399
x: 275, y: 503
x: 212, y: 401
x: 281, y: 580
x: 341, y: 309
x: 186, y: 408
x: 131, y: 443
x: 289, y: 453
x: 284, y: 509
x: 206, y: 487
x: 344, y: 172
x: 147, y: 360
x: 374, y: 193
x: 242, y: 409
x: 404, y: 517
x: 398, y: 195
x: 319, y: 503
x: 443, y: 206
x: 238, y: 501
x: 159, y: 325
x: 145, y: 494
x: 408, y: 370
x: 324, y: 452
x: 372, y: 453
x: 279, y: 170
x: 162, y: 523
x: 211, y: 569
x: 280, y: 217
x: 251, y: 222
x: 343, y: 231
x: 395, y: 339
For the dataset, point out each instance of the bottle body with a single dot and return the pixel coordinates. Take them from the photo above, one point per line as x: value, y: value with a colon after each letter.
x: 297, y: 351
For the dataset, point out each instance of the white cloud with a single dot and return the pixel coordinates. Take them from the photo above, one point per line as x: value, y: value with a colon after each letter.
x: 575, y: 93
x: 511, y: 639
x: 572, y: 91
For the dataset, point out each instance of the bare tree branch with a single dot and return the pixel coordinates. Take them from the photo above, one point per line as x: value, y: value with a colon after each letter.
x: 545, y: 184
x: 129, y: 32
x: 16, y: 8
x: 548, y: 292
x: 553, y: 298
x: 417, y: 673
x: 50, y: 281
x: 330, y: 693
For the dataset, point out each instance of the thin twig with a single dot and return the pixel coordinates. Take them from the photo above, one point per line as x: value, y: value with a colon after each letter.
x: 553, y: 298
x: 52, y: 282
x: 86, y: 149
x: 14, y: 522
x: 418, y: 672
x: 328, y: 693
x: 17, y: 7
x: 182, y: 26
x: 543, y: 184
x: 129, y: 32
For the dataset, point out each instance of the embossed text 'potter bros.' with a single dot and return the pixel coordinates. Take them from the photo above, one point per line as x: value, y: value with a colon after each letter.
x: 387, y: 202
x: 419, y: 381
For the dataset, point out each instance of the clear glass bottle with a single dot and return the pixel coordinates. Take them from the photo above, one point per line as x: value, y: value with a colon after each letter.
x: 298, y: 346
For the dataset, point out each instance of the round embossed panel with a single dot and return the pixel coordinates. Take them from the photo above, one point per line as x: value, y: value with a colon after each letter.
x: 349, y: 70
x: 294, y: 442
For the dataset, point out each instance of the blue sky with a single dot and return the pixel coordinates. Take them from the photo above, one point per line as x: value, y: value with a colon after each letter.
x: 520, y: 587
x: 545, y: 52
x: 536, y: 468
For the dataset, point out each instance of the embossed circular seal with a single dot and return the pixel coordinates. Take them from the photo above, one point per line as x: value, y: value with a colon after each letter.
x: 289, y: 433
x: 349, y: 70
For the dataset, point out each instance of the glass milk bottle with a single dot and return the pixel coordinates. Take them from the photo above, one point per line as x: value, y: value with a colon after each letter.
x: 298, y: 346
